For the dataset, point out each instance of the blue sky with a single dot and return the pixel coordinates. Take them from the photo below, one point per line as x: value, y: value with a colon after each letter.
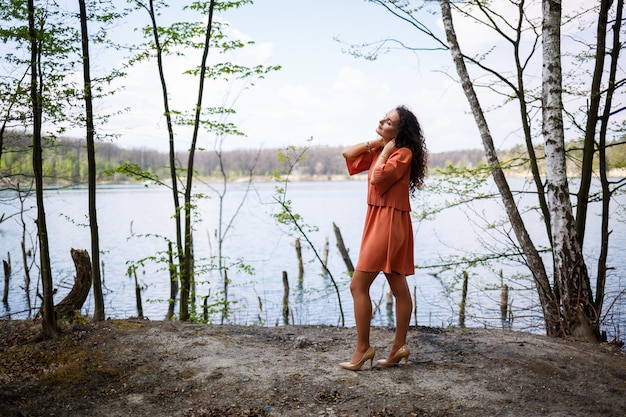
x: 321, y: 92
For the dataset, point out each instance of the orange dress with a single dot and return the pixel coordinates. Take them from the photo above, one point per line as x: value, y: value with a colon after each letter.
x: 387, y: 242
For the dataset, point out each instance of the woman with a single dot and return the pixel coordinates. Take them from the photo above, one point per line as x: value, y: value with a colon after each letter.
x: 396, y: 161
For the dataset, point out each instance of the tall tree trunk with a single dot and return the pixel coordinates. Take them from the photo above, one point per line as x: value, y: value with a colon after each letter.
x: 91, y: 160
x: 49, y: 322
x: 188, y: 263
x: 570, y: 272
x: 177, y: 271
x: 592, y: 122
x: 606, y: 193
x: 533, y: 259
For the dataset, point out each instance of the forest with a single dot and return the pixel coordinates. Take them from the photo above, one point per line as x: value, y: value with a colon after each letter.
x: 65, y: 162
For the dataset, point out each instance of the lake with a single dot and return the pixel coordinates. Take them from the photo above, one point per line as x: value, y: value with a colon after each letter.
x: 135, y: 221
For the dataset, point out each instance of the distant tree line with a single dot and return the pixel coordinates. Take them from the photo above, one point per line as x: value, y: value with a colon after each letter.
x: 65, y: 161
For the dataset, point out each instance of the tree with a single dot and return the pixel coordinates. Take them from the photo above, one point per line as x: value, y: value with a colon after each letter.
x: 567, y: 304
x: 571, y: 281
x: 91, y: 158
x: 187, y: 265
x: 150, y: 8
x: 534, y: 259
x: 590, y: 148
x: 173, y: 39
x: 49, y: 323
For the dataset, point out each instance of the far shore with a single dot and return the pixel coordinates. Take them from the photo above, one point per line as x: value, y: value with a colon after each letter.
x: 5, y: 182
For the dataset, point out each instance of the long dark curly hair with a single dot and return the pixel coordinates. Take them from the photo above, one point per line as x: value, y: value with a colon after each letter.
x: 409, y: 135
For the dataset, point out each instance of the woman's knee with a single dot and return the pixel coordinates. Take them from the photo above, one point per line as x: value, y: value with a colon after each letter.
x: 397, y: 283
x: 403, y: 296
x: 361, y: 282
x: 358, y: 288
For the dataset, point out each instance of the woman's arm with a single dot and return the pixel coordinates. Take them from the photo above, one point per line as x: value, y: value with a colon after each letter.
x: 382, y: 158
x: 353, y: 152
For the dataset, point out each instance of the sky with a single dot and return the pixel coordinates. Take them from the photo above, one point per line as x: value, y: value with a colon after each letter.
x: 322, y: 95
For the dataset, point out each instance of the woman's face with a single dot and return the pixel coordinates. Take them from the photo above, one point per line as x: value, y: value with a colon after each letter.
x: 387, y: 125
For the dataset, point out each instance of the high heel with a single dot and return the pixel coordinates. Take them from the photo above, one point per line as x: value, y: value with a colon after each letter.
x: 402, y: 353
x: 369, y: 354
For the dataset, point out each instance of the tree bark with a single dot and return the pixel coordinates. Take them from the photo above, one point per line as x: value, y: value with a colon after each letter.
x: 49, y: 323
x: 98, y: 313
x: 571, y: 279
x: 603, y: 166
x: 595, y: 96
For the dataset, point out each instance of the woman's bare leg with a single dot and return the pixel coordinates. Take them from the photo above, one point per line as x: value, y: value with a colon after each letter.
x: 360, y: 289
x: 404, y: 307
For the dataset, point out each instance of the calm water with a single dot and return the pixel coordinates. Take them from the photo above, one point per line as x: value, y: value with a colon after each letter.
x: 134, y: 222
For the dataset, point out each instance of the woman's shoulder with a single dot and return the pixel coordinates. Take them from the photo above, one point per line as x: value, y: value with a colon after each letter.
x: 404, y: 152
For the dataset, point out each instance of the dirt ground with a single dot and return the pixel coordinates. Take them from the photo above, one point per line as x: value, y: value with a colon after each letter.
x: 146, y: 368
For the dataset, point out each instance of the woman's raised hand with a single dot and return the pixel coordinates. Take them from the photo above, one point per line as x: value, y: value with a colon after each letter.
x: 390, y: 146
x: 377, y: 143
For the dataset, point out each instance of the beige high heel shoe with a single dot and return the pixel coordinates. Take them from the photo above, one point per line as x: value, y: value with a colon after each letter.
x: 402, y: 353
x: 369, y: 354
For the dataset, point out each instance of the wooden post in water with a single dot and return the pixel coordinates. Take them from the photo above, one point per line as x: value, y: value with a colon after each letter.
x: 504, y: 305
x: 325, y: 257
x: 389, y: 307
x: 7, y: 276
x: 504, y: 302
x: 300, y: 264
x: 463, y: 300
x: 25, y: 255
x: 260, y: 313
x: 285, y: 298
x: 342, y: 249
x: 415, y: 304
x: 205, y: 308
x: 138, y: 295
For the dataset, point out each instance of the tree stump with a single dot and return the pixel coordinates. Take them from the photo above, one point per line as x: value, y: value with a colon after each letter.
x: 82, y: 285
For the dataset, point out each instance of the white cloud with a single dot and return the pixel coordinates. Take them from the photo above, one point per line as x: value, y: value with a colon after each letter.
x: 349, y: 78
x: 298, y: 95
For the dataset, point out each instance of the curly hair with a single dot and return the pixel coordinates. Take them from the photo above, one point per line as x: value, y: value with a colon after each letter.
x: 409, y: 135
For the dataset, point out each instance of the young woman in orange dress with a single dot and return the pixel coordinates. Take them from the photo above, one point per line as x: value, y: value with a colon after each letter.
x: 396, y: 162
